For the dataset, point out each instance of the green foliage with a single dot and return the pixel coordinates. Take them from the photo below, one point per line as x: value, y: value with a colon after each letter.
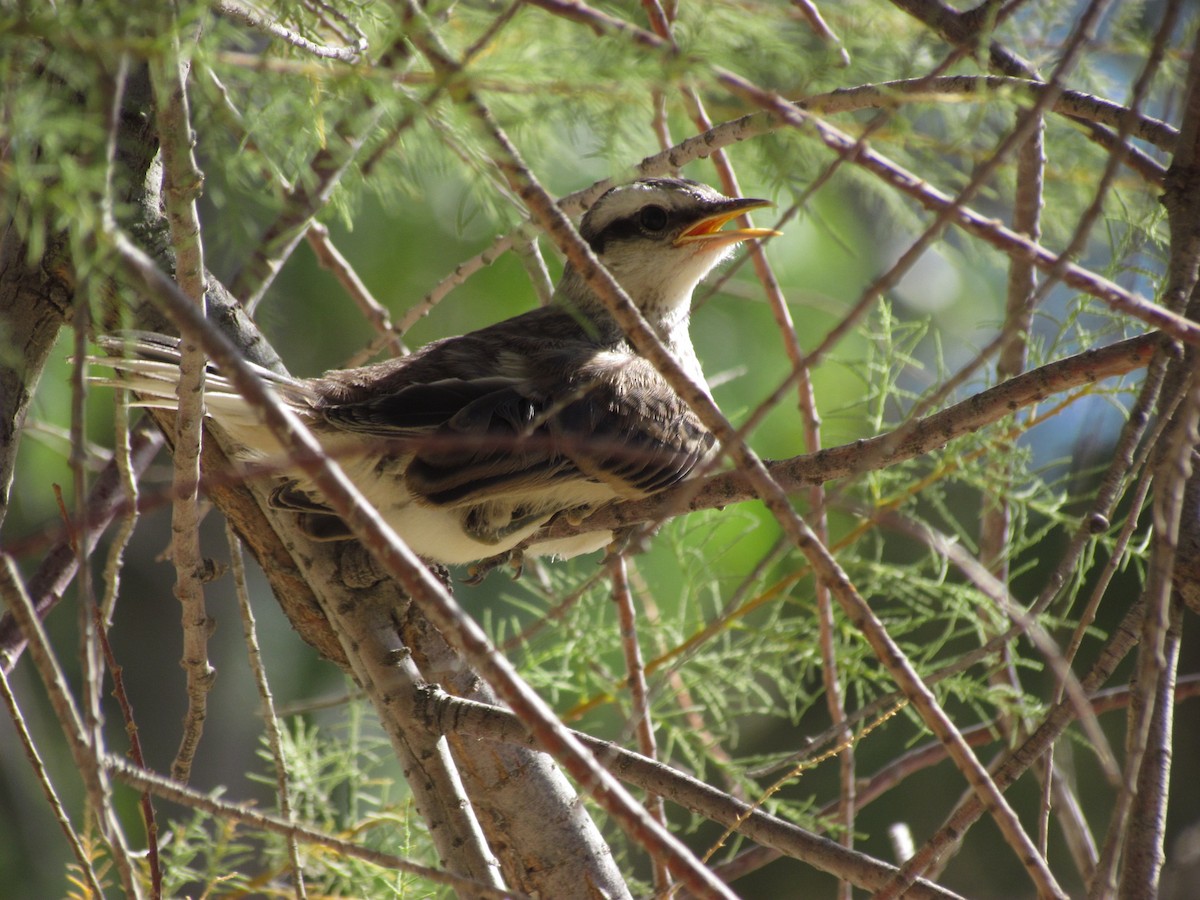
x: 206, y: 853
x: 397, y: 165
x: 343, y: 781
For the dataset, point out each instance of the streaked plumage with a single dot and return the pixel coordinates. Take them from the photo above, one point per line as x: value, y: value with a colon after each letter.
x: 470, y: 444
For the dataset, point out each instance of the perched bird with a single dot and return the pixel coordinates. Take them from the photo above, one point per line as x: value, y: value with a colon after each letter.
x: 470, y: 444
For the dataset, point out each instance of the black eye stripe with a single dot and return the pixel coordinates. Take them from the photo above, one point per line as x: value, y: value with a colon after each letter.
x: 625, y: 228
x: 680, y: 202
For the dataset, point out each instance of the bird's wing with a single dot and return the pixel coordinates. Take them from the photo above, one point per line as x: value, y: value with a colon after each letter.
x: 633, y: 434
x: 636, y: 434
x: 521, y: 406
x: 413, y: 409
x: 500, y: 444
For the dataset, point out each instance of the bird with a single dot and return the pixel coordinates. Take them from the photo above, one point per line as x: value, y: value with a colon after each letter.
x: 470, y: 444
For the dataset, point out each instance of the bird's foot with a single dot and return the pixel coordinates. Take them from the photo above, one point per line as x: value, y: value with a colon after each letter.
x: 630, y: 539
x: 476, y: 572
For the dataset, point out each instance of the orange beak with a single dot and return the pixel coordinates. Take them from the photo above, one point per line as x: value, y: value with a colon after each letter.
x: 708, y: 229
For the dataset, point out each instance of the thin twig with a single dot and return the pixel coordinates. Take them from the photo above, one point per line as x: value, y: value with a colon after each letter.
x: 43, y: 779
x: 128, y: 473
x: 1144, y: 844
x: 480, y: 720
x: 376, y: 314
x: 253, y: 818
x: 283, y: 789
x: 808, y: 10
x: 259, y: 22
x: 639, y: 693
x: 801, y: 364
x: 181, y: 187
x: 917, y: 438
x: 146, y: 804
x: 986, y: 88
x: 91, y: 668
x: 84, y: 753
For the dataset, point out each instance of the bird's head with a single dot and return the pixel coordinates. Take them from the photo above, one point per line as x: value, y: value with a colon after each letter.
x: 660, y: 236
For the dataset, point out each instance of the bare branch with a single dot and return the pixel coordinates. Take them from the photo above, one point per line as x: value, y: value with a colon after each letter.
x: 44, y: 782
x: 84, y: 753
x: 181, y: 186
x: 373, y: 311
x: 951, y: 88
x: 963, y: 29
x: 691, y: 793
x: 919, y: 437
x: 259, y: 22
x: 283, y: 788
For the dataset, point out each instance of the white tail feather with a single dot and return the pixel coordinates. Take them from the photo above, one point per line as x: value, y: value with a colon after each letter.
x: 153, y: 375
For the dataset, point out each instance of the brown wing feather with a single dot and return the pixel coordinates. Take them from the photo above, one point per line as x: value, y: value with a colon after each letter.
x: 556, y: 401
x: 618, y: 424
x: 633, y: 432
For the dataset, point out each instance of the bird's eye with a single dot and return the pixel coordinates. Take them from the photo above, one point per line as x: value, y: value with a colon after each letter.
x: 653, y: 218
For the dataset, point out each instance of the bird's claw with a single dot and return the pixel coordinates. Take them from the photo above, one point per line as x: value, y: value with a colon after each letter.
x: 476, y: 572
x: 631, y: 538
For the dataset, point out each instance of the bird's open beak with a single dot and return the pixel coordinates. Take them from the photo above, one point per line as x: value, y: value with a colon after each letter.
x: 708, y: 229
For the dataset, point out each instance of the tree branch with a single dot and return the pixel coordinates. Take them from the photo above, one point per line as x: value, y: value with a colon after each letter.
x: 918, y: 437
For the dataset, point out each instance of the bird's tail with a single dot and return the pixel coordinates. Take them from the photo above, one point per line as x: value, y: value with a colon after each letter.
x: 148, y: 364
